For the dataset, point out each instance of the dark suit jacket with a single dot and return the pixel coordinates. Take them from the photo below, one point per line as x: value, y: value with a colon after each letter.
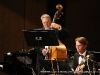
x: 60, y: 33
x: 85, y: 69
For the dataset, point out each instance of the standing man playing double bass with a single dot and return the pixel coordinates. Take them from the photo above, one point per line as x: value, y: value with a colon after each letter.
x: 48, y: 25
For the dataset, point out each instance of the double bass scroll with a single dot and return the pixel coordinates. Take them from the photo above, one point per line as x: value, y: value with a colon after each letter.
x: 58, y: 13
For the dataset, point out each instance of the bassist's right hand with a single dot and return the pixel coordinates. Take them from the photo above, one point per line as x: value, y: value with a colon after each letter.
x: 44, y: 52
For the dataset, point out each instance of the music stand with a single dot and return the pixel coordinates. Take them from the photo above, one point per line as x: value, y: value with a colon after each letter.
x: 64, y: 68
x: 41, y: 37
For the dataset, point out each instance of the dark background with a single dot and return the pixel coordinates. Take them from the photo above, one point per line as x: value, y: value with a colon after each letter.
x: 81, y: 18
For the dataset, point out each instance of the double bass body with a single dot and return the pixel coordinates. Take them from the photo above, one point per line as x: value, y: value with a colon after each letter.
x: 58, y: 52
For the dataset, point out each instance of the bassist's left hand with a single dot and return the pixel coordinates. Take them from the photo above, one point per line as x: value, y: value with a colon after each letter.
x: 55, y: 25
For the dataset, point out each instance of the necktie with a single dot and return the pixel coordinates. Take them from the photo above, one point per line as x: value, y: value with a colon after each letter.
x: 81, y: 56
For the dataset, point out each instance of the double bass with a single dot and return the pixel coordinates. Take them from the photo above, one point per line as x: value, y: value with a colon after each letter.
x: 58, y: 52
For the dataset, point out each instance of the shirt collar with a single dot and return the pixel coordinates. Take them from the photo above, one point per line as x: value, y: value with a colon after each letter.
x: 84, y: 53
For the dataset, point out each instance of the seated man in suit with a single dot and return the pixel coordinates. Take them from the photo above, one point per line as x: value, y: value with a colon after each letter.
x: 82, y: 58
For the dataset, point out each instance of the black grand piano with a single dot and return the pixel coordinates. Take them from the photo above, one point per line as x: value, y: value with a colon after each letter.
x: 24, y: 63
x: 19, y: 63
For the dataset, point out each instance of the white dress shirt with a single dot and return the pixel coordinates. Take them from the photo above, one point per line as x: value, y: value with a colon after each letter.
x: 80, y: 58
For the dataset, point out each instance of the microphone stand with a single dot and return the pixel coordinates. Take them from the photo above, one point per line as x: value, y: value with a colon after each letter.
x: 39, y: 39
x: 94, y: 69
x: 57, y: 66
